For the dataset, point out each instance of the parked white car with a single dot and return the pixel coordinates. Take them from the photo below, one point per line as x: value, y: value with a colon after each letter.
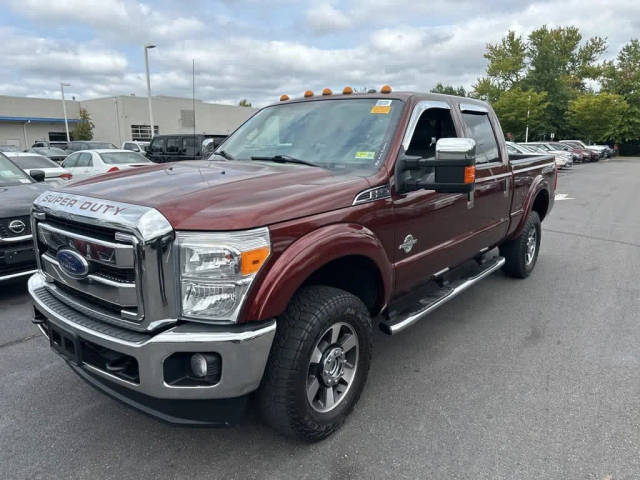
x: 88, y: 163
x: 135, y: 146
x: 28, y: 161
x: 563, y: 158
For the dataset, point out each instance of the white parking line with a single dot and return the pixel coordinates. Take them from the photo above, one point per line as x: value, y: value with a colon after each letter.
x: 563, y: 196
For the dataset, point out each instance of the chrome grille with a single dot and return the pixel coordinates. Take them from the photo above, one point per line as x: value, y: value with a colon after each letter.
x: 130, y: 259
x: 112, y: 277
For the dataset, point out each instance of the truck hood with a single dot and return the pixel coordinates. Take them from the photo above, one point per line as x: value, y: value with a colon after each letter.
x: 16, y: 200
x: 226, y: 195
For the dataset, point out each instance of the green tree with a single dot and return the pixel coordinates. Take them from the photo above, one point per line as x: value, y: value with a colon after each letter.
x: 507, y: 61
x: 83, y: 130
x: 449, y: 90
x: 599, y: 117
x: 244, y: 103
x: 560, y: 63
x: 553, y: 60
x: 512, y: 106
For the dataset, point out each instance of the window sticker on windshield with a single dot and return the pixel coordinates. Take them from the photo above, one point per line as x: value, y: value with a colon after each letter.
x: 382, y: 106
x: 366, y: 155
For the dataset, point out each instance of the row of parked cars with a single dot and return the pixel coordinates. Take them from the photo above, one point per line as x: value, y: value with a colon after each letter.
x: 62, y: 161
x: 565, y: 152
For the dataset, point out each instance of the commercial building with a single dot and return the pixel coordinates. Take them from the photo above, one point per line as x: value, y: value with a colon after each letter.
x: 24, y: 120
x: 116, y: 119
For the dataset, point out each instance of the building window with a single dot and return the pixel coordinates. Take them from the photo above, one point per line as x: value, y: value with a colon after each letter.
x: 187, y: 118
x: 142, y: 132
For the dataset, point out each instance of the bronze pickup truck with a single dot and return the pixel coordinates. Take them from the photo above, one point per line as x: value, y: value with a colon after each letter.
x: 185, y: 289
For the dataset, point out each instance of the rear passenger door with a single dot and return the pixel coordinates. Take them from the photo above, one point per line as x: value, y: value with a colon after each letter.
x: 173, y: 149
x: 84, y: 165
x: 491, y: 198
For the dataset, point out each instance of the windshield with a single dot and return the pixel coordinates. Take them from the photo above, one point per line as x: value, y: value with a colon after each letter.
x: 561, y: 146
x: 353, y: 133
x: 122, y: 158
x: 10, y: 174
x: 99, y: 145
x: 49, y: 151
x: 34, y: 161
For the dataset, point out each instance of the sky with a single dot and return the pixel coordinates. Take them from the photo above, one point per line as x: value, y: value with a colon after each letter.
x: 258, y: 50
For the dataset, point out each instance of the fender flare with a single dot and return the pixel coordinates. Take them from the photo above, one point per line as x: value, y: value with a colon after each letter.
x: 538, y: 185
x: 305, y: 256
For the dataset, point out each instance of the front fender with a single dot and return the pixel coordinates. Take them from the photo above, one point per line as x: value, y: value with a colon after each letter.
x: 306, y: 255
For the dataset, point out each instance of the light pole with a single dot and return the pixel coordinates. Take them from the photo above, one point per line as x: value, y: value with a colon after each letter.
x: 64, y: 108
x: 147, y: 47
x: 526, y: 133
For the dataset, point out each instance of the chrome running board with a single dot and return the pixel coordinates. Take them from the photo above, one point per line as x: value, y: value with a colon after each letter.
x: 399, y: 321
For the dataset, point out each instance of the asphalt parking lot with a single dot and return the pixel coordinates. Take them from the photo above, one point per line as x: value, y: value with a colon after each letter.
x: 537, y: 378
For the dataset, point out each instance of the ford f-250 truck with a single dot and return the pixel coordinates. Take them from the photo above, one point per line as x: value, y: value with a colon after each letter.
x: 182, y: 288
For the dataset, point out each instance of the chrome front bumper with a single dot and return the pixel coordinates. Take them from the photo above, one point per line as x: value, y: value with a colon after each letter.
x: 243, y: 349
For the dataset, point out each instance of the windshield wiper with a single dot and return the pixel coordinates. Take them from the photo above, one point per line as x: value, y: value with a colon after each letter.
x: 284, y: 159
x: 224, y: 154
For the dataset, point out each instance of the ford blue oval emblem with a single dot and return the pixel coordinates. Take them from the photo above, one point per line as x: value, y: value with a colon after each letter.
x: 72, y: 263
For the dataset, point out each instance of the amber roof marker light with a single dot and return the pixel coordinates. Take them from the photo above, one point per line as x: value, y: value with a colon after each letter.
x: 308, y: 94
x: 385, y: 89
x: 327, y: 91
x: 284, y: 98
x: 347, y: 91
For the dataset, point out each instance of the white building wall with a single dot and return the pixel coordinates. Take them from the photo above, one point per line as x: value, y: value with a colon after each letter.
x: 13, y: 132
x: 114, y: 116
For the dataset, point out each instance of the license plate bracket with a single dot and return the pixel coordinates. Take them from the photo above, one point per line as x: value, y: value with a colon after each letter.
x: 65, y: 343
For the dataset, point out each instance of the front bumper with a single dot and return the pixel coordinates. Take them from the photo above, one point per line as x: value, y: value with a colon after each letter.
x: 243, y: 349
x: 17, y: 258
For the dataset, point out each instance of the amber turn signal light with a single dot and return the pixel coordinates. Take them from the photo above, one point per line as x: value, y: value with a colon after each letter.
x: 252, y: 260
x: 469, y: 174
x: 327, y: 91
x: 347, y: 91
x: 308, y: 93
x: 284, y: 98
x: 385, y: 89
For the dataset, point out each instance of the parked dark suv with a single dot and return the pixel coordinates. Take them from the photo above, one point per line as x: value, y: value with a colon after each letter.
x: 172, y: 148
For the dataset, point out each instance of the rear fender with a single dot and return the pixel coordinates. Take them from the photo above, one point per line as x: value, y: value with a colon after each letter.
x: 305, y: 256
x: 539, y: 184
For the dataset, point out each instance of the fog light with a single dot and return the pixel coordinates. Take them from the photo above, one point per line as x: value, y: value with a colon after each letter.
x: 204, y: 365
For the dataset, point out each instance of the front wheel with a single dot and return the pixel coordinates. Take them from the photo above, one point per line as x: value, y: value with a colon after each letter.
x: 318, y: 363
x: 521, y: 253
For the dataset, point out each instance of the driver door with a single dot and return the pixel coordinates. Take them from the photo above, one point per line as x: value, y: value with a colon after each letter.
x: 430, y: 226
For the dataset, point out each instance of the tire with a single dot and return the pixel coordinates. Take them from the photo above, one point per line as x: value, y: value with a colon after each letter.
x: 286, y: 399
x: 520, y: 260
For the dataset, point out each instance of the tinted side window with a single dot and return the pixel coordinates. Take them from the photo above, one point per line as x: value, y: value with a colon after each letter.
x: 129, y: 146
x: 71, y: 161
x: 482, y: 132
x: 173, y: 145
x: 84, y: 160
x: 157, y: 145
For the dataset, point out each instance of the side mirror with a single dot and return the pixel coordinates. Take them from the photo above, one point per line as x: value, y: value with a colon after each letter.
x: 147, y: 148
x: 452, y: 170
x: 37, y: 175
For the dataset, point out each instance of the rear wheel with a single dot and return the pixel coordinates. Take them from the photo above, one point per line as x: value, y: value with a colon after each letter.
x: 521, y: 253
x: 318, y: 363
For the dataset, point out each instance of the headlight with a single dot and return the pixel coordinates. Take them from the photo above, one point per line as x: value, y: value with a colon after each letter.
x: 217, y: 269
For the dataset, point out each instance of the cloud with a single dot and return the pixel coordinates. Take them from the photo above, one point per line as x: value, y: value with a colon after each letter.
x: 410, y: 45
x: 115, y: 19
x: 324, y: 18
